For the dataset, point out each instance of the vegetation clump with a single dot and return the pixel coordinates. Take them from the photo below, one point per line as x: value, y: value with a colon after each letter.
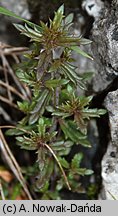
x: 55, y: 118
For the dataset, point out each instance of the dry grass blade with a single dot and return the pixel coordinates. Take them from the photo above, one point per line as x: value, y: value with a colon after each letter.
x: 1, y: 191
x: 14, y: 52
x: 113, y: 197
x: 16, y: 81
x: 8, y: 102
x: 6, y: 77
x: 13, y: 163
x: 61, y: 168
x: 5, y: 115
x: 13, y: 90
x: 11, y: 126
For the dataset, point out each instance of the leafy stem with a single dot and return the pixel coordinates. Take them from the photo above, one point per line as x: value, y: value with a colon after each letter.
x: 55, y: 118
x: 59, y: 164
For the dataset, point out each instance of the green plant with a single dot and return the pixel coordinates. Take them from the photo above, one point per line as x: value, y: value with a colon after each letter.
x: 56, y: 117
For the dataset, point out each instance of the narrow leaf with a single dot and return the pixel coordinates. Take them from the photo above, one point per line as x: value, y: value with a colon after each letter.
x: 85, y: 41
x: 85, y: 143
x: 41, y: 159
x: 61, y: 9
x: 56, y: 83
x: 81, y: 52
x: 75, y: 163
x: 63, y: 162
x: 69, y: 19
x: 93, y: 112
x: 40, y: 101
x: 84, y: 101
x: 89, y: 172
x: 71, y: 133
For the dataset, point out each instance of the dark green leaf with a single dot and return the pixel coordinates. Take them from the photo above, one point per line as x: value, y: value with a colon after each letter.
x: 40, y: 101
x: 54, y: 66
x: 12, y: 132
x: 84, y: 171
x: 58, y: 145
x: 41, y: 127
x: 26, y: 143
x: 41, y: 158
x: 47, y: 121
x: 80, y: 171
x: 63, y: 147
x: 24, y: 106
x: 45, y: 174
x: 75, y: 163
x: 44, y: 188
x: 84, y: 101
x: 70, y: 89
x: 85, y: 143
x: 71, y: 132
x: 81, y: 52
x: 33, y: 32
x: 93, y: 112
x: 20, y: 139
x: 55, y: 83
x: 19, y: 130
x: 57, y: 21
x: 70, y: 72
x: 63, y: 162
x: 101, y: 111
x: 49, y: 108
x: 69, y: 75
x: 63, y: 114
x: 43, y: 64
x: 73, y: 126
x: 34, y: 117
x: 28, y: 32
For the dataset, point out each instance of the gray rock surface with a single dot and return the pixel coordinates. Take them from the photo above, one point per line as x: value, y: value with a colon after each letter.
x: 105, y: 53
x: 110, y: 160
x: 20, y: 7
x: 105, y: 47
x: 93, y: 7
x: 7, y: 31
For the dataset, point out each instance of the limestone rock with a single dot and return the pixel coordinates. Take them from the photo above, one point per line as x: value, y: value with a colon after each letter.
x: 93, y: 7
x: 20, y: 7
x: 8, y: 34
x: 105, y: 48
x: 110, y: 160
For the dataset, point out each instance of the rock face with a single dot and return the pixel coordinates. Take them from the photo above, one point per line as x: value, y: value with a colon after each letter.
x: 110, y: 160
x: 93, y: 7
x: 105, y: 47
x: 105, y: 51
x: 20, y: 7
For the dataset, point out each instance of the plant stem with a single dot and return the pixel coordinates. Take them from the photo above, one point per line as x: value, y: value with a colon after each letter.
x: 1, y: 191
x: 61, y: 168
